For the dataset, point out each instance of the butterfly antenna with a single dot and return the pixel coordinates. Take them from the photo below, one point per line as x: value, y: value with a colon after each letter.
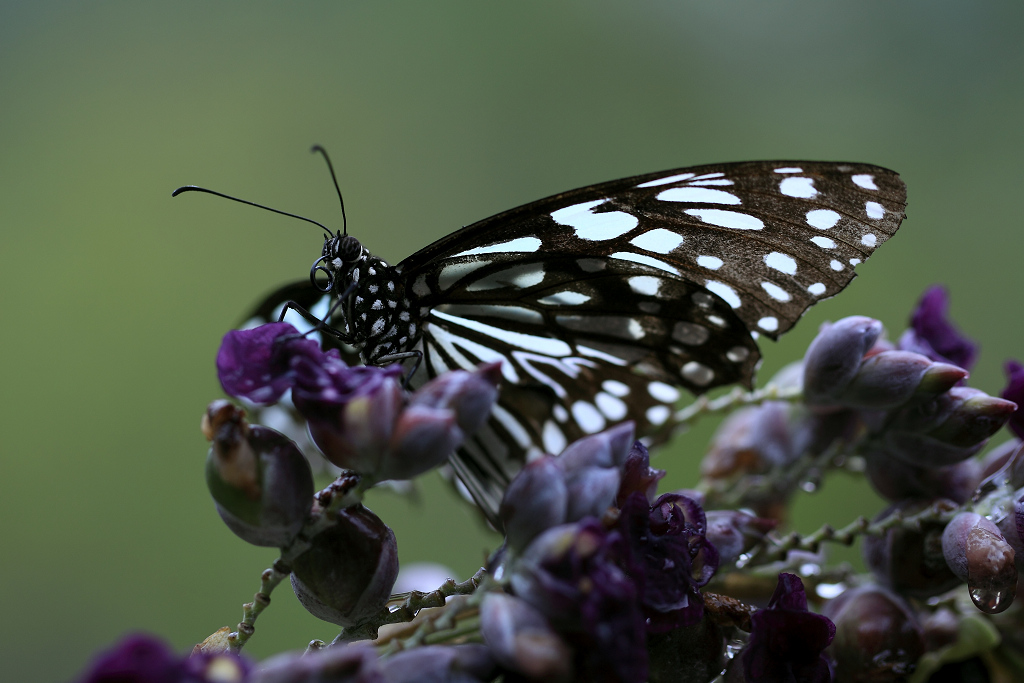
x: 317, y: 148
x: 195, y: 188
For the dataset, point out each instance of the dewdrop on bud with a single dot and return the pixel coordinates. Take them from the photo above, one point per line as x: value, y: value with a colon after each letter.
x: 347, y: 574
x: 978, y: 554
x: 260, y: 481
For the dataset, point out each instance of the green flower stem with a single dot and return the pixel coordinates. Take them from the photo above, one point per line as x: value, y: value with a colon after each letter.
x: 341, y: 493
x: 404, y: 607
x: 441, y: 625
x: 774, y: 550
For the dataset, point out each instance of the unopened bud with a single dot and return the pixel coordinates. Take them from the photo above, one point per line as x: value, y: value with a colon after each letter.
x: 733, y: 532
x: 260, y: 481
x: 423, y: 439
x: 897, y: 480
x: 751, y: 440
x: 978, y: 554
x: 470, y: 395
x: 604, y: 449
x: 347, y: 574
x: 522, y: 640
x: 886, y: 380
x: 354, y: 435
x: 834, y: 357
x: 536, y: 500
x: 638, y: 476
x: 878, y: 639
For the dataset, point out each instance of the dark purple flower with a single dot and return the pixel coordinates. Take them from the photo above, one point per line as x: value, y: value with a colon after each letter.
x: 638, y: 475
x: 141, y: 658
x: 571, y: 574
x: 669, y: 559
x: 786, y: 641
x: 257, y: 364
x: 933, y: 335
x: 1014, y: 391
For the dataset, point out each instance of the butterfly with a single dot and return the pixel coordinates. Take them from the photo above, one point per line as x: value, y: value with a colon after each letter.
x: 604, y: 302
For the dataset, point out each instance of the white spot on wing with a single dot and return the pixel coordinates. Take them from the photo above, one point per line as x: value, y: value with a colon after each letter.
x: 817, y: 289
x: 836, y: 265
x: 727, y: 219
x: 738, y: 354
x: 776, y: 292
x: 699, y: 195
x: 874, y: 210
x: 689, y: 333
x: 589, y: 418
x: 658, y: 415
x: 666, y: 181
x: 522, y: 244
x: 768, y: 323
x: 595, y: 226
x: 566, y: 298
x: 854, y: 261
x: 789, y: 169
x: 725, y: 291
x: 615, y: 387
x: 612, y: 408
x: 824, y: 242
x: 454, y: 272
x: 646, y: 260
x: 869, y: 240
x: 802, y: 188
x: 822, y: 219
x: 709, y: 262
x: 784, y: 263
x: 864, y: 180
x: 659, y: 240
x: 666, y: 393
x: 553, y: 438
x: 522, y: 277
x: 701, y: 375
x: 420, y: 287
x: 645, y: 284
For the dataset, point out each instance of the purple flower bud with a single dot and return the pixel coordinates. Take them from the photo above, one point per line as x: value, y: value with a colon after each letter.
x: 469, y: 394
x: 1011, y: 526
x: 638, y: 476
x: 932, y: 334
x: 1005, y: 464
x: 142, y: 658
x: 347, y: 574
x: 424, y: 437
x: 733, y: 533
x: 356, y: 663
x: 911, y: 562
x: 877, y: 637
x: 604, y: 449
x: 834, y: 357
x: 786, y: 641
x: 889, y: 379
x: 751, y: 440
x: 896, y: 480
x: 472, y: 663
x: 522, y: 640
x: 571, y: 576
x: 256, y: 364
x: 260, y: 481
x: 670, y: 558
x: 536, y: 500
x: 978, y: 554
x: 1014, y: 391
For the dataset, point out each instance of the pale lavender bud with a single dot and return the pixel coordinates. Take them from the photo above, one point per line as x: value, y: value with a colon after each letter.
x: 751, y: 440
x: 354, y: 435
x: 522, y: 640
x: 638, y: 476
x: 423, y: 438
x: 1011, y: 526
x: 591, y: 491
x: 469, y: 663
x: 878, y: 638
x: 469, y: 394
x: 347, y: 574
x: 889, y: 379
x: 978, y: 554
x: 834, y: 357
x: 733, y: 532
x: 356, y: 663
x: 1004, y: 464
x: 537, y: 499
x: 260, y: 481
x: 896, y: 480
x: 604, y: 449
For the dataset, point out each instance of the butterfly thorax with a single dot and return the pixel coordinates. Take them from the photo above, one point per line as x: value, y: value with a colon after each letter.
x: 378, y: 316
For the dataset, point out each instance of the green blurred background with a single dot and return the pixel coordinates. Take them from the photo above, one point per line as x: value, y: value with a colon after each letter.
x: 436, y: 114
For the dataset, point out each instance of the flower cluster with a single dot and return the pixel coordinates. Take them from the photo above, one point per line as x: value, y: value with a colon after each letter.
x: 600, y: 578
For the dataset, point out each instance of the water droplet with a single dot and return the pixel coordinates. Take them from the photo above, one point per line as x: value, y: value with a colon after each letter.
x: 989, y: 600
x: 809, y: 486
x: 743, y: 559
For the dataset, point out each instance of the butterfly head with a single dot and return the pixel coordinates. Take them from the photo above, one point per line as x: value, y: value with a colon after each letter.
x: 340, y: 254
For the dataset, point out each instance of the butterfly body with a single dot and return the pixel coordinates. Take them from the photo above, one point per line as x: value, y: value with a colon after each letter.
x: 603, y: 302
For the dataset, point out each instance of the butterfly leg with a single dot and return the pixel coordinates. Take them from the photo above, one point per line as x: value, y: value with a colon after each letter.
x: 319, y: 325
x: 393, y: 357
